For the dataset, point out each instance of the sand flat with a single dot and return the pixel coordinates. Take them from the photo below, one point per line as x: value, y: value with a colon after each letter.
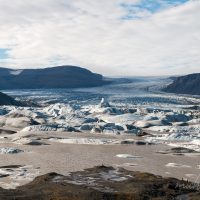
x: 64, y: 158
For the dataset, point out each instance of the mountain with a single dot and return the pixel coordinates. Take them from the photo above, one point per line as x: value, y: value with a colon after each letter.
x: 7, y: 100
x: 55, y: 77
x: 189, y: 84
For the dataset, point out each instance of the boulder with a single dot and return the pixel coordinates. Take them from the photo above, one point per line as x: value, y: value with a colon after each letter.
x: 86, y: 127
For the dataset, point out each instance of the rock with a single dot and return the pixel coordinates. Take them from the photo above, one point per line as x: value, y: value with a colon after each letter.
x: 90, y: 120
x: 136, y: 142
x: 103, y: 183
x: 128, y: 142
x: 10, y: 166
x: 86, y: 127
x: 108, y: 125
x: 174, y: 117
x: 139, y: 142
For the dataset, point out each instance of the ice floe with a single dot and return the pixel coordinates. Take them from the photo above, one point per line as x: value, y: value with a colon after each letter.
x: 8, y: 150
x: 176, y: 165
x: 46, y: 128
x: 128, y: 156
x: 92, y: 141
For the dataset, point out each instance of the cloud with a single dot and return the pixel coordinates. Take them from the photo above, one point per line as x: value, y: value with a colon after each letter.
x: 95, y: 34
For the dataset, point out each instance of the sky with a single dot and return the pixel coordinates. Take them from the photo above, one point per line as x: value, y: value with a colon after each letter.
x: 111, y: 37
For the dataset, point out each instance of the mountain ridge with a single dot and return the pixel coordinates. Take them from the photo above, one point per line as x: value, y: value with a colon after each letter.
x: 65, y: 76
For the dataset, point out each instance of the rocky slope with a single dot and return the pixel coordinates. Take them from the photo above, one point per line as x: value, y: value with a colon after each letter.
x: 103, y: 183
x: 189, y: 84
x: 55, y: 77
x: 7, y: 100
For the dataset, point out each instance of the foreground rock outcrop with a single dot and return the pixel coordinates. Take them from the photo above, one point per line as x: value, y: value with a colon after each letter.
x: 103, y: 183
x: 189, y: 84
x: 55, y: 77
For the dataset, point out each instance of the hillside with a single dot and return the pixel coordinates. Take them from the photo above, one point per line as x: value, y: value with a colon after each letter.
x: 189, y: 84
x: 55, y: 77
x: 7, y: 100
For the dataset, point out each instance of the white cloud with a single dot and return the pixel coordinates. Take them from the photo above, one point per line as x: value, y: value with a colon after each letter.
x: 91, y: 33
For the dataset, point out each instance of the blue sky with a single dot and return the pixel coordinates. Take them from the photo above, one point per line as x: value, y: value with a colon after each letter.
x: 111, y: 37
x: 3, y: 53
x: 151, y: 6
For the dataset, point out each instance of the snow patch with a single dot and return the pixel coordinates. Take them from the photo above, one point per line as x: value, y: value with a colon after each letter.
x: 177, y: 165
x: 127, y: 156
x: 91, y: 141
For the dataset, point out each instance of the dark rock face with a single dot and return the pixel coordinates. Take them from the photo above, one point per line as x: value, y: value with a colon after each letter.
x: 7, y: 100
x: 189, y: 84
x: 55, y: 77
x: 103, y: 183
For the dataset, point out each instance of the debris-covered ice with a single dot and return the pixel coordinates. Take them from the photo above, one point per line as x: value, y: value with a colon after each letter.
x: 123, y: 116
x: 135, y: 108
